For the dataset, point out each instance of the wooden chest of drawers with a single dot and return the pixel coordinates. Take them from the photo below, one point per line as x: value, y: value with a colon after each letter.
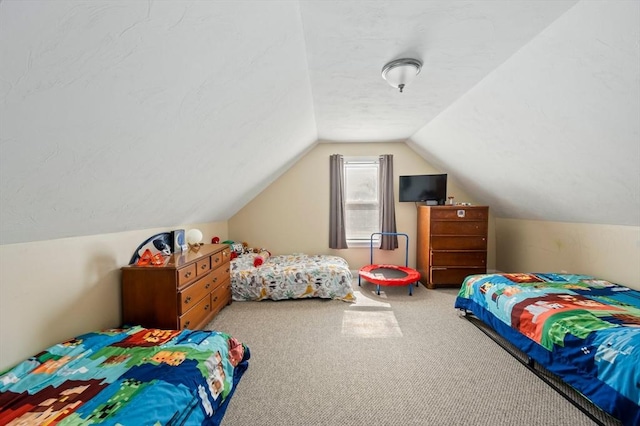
x: 452, y: 243
x: 186, y: 292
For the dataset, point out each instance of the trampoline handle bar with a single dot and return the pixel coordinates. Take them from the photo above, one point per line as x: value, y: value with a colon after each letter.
x: 406, y: 249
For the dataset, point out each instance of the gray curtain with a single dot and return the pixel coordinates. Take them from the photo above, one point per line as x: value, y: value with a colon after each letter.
x: 387, y: 204
x: 337, y: 231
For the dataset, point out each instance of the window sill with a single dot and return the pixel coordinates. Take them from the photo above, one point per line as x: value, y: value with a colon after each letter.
x: 363, y: 244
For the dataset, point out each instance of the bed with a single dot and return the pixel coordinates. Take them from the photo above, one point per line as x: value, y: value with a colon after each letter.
x: 126, y: 376
x: 260, y: 276
x: 584, y: 330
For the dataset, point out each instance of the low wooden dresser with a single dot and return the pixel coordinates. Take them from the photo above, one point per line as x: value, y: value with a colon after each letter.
x: 186, y: 292
x: 452, y: 243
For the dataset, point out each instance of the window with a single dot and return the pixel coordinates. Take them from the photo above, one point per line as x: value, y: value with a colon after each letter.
x: 362, y: 200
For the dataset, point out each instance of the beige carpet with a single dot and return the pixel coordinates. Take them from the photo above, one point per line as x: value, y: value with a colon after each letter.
x: 392, y: 359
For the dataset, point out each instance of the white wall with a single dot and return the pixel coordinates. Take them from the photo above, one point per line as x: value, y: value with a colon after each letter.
x: 292, y: 215
x: 606, y: 251
x: 56, y: 289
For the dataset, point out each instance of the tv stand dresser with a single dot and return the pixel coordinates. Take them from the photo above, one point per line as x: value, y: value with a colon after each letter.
x: 452, y: 243
x: 186, y: 292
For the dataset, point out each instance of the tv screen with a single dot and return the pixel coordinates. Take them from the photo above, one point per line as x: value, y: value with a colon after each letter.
x: 423, y: 188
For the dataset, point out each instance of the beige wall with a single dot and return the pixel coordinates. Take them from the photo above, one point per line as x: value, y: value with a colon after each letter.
x: 292, y: 214
x: 53, y: 290
x: 605, y: 251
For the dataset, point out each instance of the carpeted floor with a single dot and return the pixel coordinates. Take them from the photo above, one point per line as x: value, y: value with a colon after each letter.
x: 392, y: 359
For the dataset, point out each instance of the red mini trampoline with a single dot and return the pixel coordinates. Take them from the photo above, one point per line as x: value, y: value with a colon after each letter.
x: 389, y: 275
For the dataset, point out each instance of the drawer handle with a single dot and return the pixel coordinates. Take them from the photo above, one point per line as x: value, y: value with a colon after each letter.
x: 206, y: 307
x: 215, y: 280
x: 208, y: 285
x: 186, y: 324
x: 217, y: 259
x: 187, y: 300
x: 203, y: 267
x: 187, y: 275
x: 227, y: 270
x: 215, y: 299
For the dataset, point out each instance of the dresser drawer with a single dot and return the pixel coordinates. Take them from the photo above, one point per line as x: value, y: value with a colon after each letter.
x: 452, y: 276
x: 220, y: 296
x: 203, y: 266
x: 219, y: 275
x: 452, y: 242
x: 459, y: 213
x: 218, y: 259
x: 186, y: 274
x: 196, y: 315
x: 226, y: 255
x: 191, y: 295
x: 459, y: 228
x: 459, y: 258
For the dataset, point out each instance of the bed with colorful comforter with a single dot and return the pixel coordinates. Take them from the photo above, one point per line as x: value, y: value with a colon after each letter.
x: 133, y: 376
x: 584, y: 330
x: 292, y: 276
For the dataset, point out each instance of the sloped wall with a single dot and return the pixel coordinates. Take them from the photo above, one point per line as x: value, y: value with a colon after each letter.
x: 292, y: 214
x: 552, y: 134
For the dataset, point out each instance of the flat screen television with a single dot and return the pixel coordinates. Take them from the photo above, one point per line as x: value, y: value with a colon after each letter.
x: 431, y: 189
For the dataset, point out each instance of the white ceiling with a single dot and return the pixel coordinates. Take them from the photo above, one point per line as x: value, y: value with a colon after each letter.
x: 109, y: 108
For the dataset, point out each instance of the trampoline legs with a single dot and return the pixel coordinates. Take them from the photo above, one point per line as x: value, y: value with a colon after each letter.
x: 378, y: 288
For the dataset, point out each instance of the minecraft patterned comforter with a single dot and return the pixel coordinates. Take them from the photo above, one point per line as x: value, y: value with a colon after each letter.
x: 131, y: 376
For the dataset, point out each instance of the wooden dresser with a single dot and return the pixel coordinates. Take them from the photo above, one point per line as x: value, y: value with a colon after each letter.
x: 452, y: 243
x: 186, y: 292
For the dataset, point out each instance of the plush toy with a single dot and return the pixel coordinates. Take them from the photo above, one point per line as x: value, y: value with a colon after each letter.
x: 239, y: 249
x: 262, y: 256
x: 236, y: 248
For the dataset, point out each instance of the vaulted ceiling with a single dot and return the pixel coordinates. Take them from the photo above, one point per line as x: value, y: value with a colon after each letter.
x: 130, y: 115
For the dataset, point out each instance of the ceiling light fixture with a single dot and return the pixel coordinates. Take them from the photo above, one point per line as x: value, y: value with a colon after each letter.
x: 401, y: 72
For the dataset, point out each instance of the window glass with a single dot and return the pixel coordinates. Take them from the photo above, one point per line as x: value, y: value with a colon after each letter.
x: 362, y: 206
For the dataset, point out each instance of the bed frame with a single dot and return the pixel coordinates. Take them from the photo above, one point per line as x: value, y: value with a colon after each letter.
x: 591, y: 410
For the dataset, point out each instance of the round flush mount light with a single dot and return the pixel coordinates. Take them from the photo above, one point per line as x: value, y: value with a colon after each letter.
x: 401, y: 72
